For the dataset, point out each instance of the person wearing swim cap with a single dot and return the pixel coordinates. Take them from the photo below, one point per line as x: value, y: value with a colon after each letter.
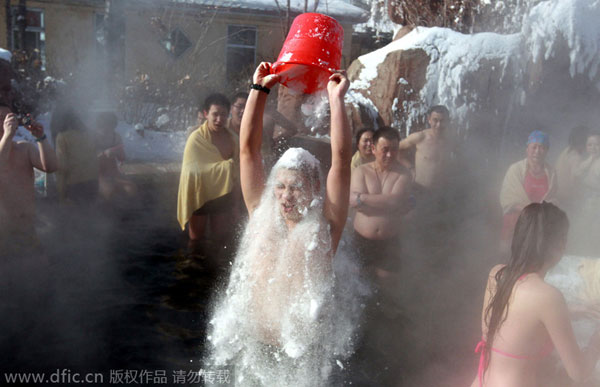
x: 530, y: 180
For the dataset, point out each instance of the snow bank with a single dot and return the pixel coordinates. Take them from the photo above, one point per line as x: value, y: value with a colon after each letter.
x: 452, y: 56
x: 140, y: 145
x: 152, y: 145
x: 575, y: 21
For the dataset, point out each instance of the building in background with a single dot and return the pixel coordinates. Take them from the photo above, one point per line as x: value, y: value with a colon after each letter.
x: 216, y: 41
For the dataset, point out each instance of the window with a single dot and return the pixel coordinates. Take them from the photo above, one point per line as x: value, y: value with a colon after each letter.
x: 176, y: 43
x: 241, y: 50
x: 35, y: 37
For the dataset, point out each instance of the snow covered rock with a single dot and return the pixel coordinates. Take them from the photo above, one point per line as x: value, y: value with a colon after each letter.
x: 545, y: 76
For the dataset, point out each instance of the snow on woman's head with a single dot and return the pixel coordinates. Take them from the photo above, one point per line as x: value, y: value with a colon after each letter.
x: 296, y: 183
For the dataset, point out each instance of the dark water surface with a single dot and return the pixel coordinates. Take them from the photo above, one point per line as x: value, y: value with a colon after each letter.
x: 118, y: 294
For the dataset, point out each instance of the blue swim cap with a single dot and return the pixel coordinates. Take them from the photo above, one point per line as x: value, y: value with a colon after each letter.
x: 539, y: 137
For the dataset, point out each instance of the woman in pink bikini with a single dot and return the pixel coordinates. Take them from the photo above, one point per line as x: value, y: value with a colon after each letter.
x: 523, y: 317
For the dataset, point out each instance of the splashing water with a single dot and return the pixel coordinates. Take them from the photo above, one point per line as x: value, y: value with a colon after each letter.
x: 279, y: 321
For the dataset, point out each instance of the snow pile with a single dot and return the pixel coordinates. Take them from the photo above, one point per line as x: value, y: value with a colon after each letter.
x: 151, y: 145
x: 454, y: 56
x: 140, y: 145
x: 296, y: 158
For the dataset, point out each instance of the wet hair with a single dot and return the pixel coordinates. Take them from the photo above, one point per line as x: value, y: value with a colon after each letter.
x: 441, y: 109
x: 241, y: 94
x: 540, y: 227
x: 107, y: 120
x: 216, y: 99
x: 361, y: 132
x: 386, y: 132
x: 578, y: 138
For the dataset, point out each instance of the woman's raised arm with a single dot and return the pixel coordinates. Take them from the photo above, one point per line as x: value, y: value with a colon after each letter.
x: 252, y: 174
x: 338, y: 178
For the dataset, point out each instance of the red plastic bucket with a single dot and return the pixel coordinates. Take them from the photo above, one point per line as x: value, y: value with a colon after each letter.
x: 310, y: 53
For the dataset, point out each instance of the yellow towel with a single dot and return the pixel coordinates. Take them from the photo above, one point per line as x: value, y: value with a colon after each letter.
x: 205, y: 175
x: 358, y: 160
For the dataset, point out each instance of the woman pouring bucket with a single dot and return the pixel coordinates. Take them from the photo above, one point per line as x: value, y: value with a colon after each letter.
x: 277, y: 322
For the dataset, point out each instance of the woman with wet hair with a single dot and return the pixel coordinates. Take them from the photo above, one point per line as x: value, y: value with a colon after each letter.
x: 523, y: 317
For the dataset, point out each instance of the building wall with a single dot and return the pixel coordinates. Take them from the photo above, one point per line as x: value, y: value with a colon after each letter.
x: 71, y: 43
x: 205, y: 60
x: 3, y: 41
x: 69, y: 34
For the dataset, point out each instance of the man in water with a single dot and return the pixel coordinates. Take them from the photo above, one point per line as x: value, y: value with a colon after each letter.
x: 433, y: 148
x: 379, y: 193
x: 380, y: 190
x: 283, y: 330
x: 17, y: 195
x: 208, y: 174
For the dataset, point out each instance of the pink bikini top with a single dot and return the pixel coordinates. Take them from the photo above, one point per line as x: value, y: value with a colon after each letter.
x: 545, y: 351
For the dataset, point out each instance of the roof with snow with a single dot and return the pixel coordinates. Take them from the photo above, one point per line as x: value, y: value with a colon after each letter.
x: 338, y: 9
x: 5, y: 55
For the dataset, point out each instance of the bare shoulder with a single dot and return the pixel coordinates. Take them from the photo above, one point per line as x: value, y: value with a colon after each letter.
x: 412, y: 140
x: 417, y: 136
x: 363, y: 169
x: 549, y: 293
